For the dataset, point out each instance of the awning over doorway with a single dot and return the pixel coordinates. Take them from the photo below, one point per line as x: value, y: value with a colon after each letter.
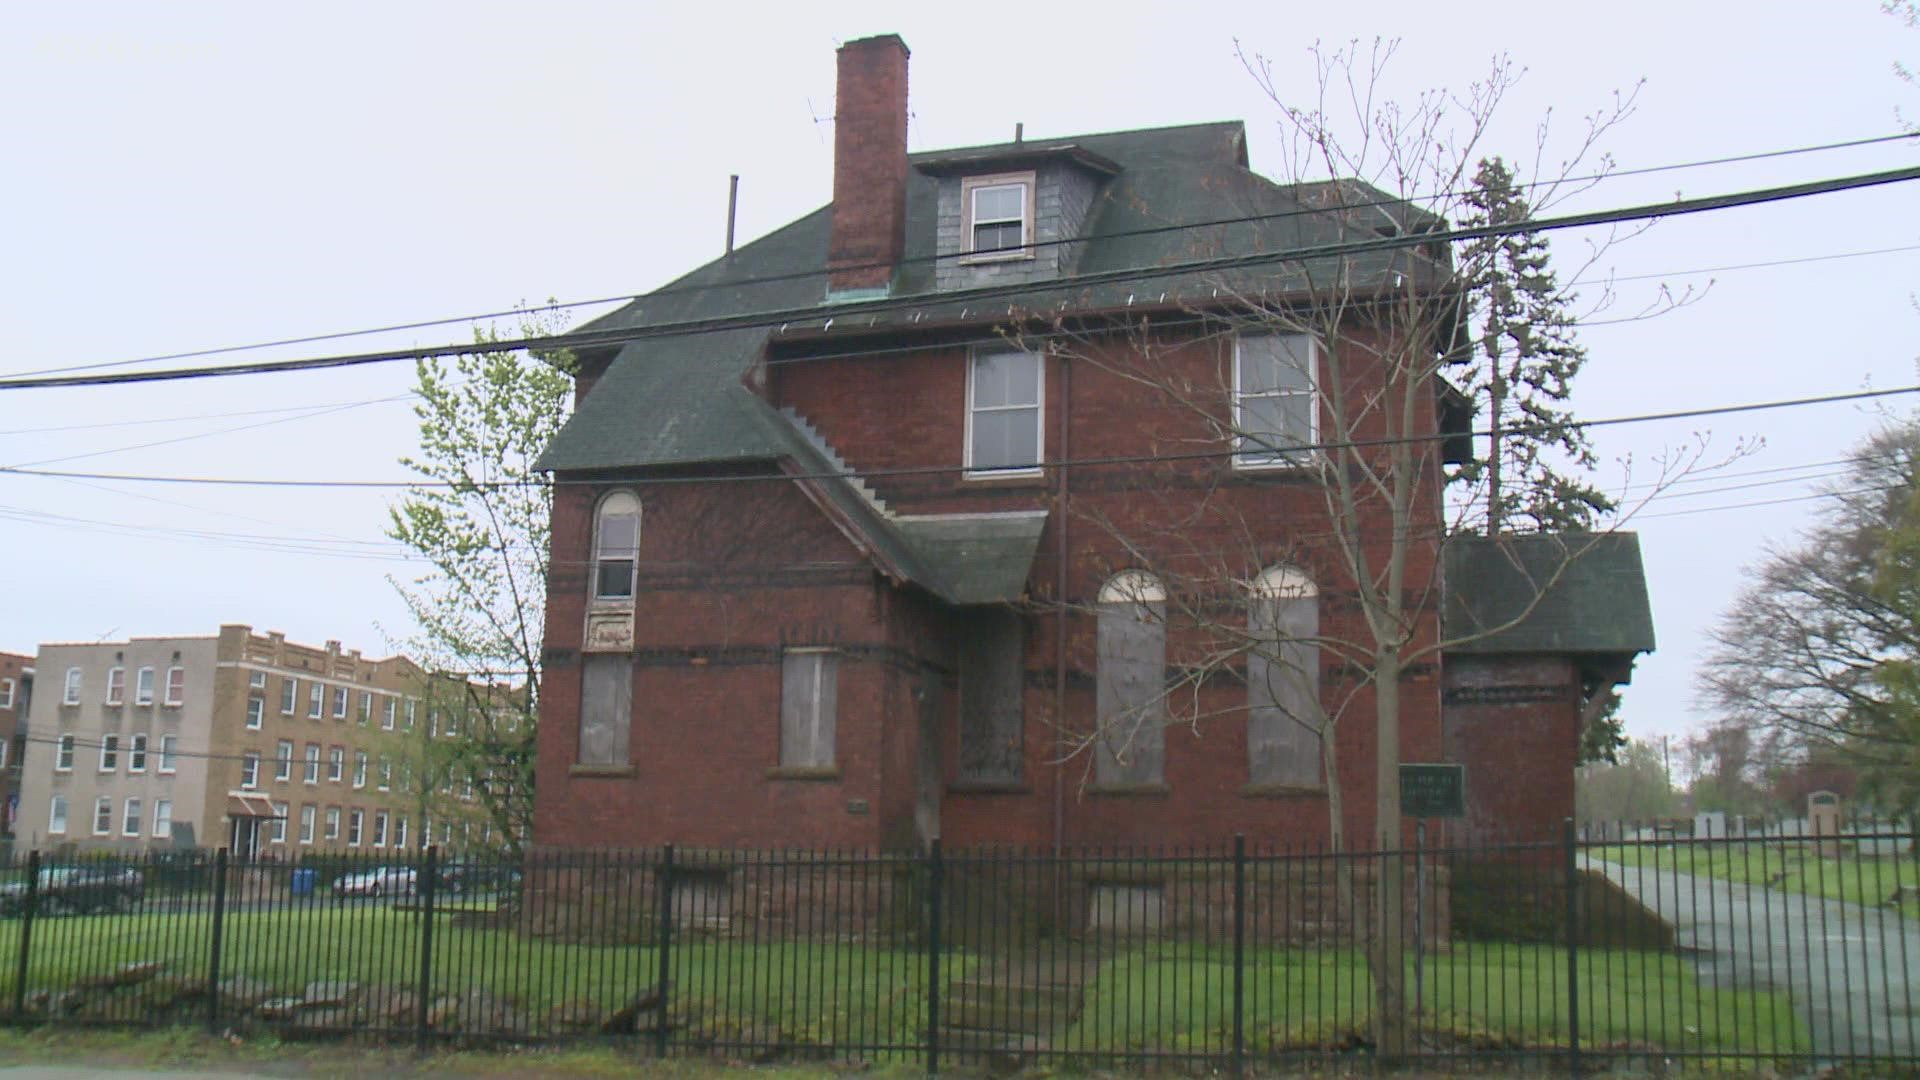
x: 249, y: 804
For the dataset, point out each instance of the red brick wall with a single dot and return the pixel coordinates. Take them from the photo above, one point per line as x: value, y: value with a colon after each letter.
x: 1515, y: 722
x: 869, y: 163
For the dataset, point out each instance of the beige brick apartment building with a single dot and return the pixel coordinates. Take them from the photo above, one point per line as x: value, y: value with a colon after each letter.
x: 16, y: 689
x: 238, y: 740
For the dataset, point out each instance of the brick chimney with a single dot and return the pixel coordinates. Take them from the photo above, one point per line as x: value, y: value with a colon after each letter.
x: 869, y: 166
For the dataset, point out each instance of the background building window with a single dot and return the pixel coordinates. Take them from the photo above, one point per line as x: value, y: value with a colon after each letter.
x: 109, y: 753
x: 1131, y: 676
x: 137, y: 753
x: 306, y: 824
x: 333, y: 823
x: 163, y: 818
x: 289, y: 693
x: 1284, y: 720
x: 616, y: 544
x: 336, y: 764
x: 57, y: 816
x: 340, y: 703
x: 356, y: 821
x: 311, y: 773
x: 256, y: 712
x: 316, y: 696
x: 116, y: 686
x: 278, y: 827
x: 102, y: 816
x: 72, y: 696
x: 809, y: 693
x: 143, y: 686
x: 250, y: 770
x: 283, y: 760
x: 63, y: 756
x: 1273, y: 398
x: 130, y: 821
x: 169, y: 753
x: 176, y: 686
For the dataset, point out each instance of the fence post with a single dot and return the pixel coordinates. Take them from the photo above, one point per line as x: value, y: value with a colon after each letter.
x: 213, y: 941
x: 934, y: 883
x: 1573, y: 949
x: 1239, y: 955
x: 26, y: 934
x: 1419, y: 919
x: 423, y: 999
x: 663, y: 928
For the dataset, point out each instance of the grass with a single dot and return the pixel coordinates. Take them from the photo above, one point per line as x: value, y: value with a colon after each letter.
x: 1865, y: 881
x: 864, y: 998
x: 1475, y: 994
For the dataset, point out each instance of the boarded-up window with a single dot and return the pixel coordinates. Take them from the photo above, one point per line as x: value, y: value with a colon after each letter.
x: 606, y: 709
x: 808, y: 690
x: 992, y: 648
x: 1132, y: 681
x: 1283, y: 680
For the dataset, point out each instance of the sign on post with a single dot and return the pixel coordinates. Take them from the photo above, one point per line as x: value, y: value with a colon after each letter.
x: 1433, y: 790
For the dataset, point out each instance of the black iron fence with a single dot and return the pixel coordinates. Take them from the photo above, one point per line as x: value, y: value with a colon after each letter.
x: 1627, y: 949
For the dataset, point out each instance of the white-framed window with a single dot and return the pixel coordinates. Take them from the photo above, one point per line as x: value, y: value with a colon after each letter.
x: 169, y: 753
x: 446, y: 832
x: 137, y: 752
x: 6, y: 693
x: 72, y: 696
x: 809, y: 692
x: 359, y: 768
x: 250, y: 770
x: 311, y: 775
x: 400, y: 831
x: 63, y: 756
x: 616, y: 546
x: 283, y: 760
x: 5, y: 745
x: 116, y: 686
x: 277, y: 831
x: 386, y: 772
x: 130, y: 818
x: 289, y: 693
x: 997, y: 216
x: 1274, y: 404
x: 366, y: 705
x: 387, y: 714
x: 380, y: 828
x: 340, y: 703
x: 109, y: 753
x: 256, y: 712
x: 176, y: 687
x: 57, y: 816
x: 411, y: 704
x: 337, y: 764
x: 356, y: 822
x: 306, y: 824
x: 257, y: 680
x: 316, y: 699
x: 163, y: 818
x: 1006, y: 389
x: 332, y: 831
x: 143, y: 686
x: 102, y: 816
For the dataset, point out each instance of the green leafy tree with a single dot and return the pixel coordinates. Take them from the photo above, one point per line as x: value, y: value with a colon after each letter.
x: 480, y: 519
x: 1525, y: 355
x: 1634, y: 787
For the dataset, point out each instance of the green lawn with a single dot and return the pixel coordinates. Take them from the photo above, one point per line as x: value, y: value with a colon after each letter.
x: 1481, y: 993
x: 1866, y: 881
x: 1169, y: 998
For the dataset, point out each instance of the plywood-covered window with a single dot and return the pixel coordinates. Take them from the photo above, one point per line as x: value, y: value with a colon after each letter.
x: 1283, y: 679
x: 992, y: 647
x: 606, y: 708
x: 616, y: 546
x: 1131, y: 675
x: 809, y: 696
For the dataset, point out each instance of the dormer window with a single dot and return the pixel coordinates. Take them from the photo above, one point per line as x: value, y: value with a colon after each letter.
x: 999, y: 216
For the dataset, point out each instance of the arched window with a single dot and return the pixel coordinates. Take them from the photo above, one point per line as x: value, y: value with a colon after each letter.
x: 1131, y: 693
x: 616, y: 546
x: 1284, y: 719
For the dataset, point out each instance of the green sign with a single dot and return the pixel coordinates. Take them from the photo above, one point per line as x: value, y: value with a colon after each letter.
x: 1433, y: 791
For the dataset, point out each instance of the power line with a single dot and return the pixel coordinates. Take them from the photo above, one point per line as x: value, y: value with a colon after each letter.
x: 940, y: 470
x: 309, y: 415
x: 681, y: 287
x: 194, y: 417
x: 853, y: 310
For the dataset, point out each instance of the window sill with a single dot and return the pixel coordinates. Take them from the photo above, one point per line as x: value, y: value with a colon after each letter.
x: 581, y: 769
x: 804, y: 772
x: 1127, y: 791
x: 1024, y: 253
x: 1282, y: 791
x: 1005, y: 477
x: 990, y: 787
x: 1258, y: 465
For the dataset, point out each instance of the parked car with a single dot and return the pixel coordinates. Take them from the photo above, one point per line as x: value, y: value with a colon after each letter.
x: 78, y: 890
x: 475, y: 876
x: 377, y: 881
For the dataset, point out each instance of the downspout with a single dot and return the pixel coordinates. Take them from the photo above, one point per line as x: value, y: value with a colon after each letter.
x: 1060, y: 615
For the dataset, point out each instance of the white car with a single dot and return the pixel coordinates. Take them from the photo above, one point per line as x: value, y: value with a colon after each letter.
x: 378, y: 881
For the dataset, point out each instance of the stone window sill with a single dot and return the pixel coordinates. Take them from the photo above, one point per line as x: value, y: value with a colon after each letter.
x: 1282, y: 791
x: 600, y: 770
x: 1126, y: 791
x: 804, y: 772
x: 990, y: 787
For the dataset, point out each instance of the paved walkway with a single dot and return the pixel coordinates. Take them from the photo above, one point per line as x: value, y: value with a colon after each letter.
x: 1851, y: 971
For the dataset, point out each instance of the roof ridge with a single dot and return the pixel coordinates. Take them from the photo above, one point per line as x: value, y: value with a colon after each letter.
x: 1047, y: 140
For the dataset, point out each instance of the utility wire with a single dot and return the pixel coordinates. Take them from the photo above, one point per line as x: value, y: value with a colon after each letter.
x: 854, y: 310
x: 681, y: 286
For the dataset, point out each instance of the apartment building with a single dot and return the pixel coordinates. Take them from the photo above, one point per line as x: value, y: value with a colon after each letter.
x: 16, y: 689
x: 239, y: 740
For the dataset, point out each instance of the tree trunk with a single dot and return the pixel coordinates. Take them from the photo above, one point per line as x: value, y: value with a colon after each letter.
x: 1387, y: 947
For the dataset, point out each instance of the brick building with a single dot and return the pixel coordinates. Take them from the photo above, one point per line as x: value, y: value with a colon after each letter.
x: 238, y: 740
x: 16, y: 690
x: 885, y: 558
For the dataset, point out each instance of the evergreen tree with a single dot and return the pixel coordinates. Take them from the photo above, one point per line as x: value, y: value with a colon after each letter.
x: 1520, y: 373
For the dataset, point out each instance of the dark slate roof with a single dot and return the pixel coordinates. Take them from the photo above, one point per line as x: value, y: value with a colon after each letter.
x: 1590, y: 587
x: 976, y: 558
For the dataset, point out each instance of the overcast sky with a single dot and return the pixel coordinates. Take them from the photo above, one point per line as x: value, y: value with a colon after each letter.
x: 189, y: 176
